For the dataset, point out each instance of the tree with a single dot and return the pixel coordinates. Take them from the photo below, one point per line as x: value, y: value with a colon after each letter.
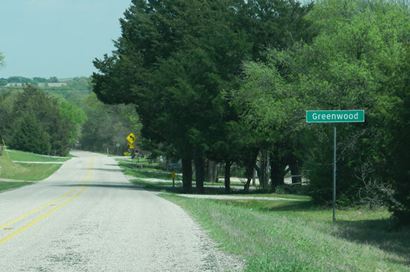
x: 172, y: 68
x: 352, y: 63
x: 175, y: 59
x: 34, y: 121
x: 400, y: 157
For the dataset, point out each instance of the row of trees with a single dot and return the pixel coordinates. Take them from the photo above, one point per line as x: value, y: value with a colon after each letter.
x: 25, y: 80
x: 54, y: 120
x: 230, y: 80
x: 32, y: 120
x: 178, y: 60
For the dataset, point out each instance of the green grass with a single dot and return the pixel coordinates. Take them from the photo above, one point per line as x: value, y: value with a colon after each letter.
x: 297, y: 236
x: 139, y: 171
x: 4, y: 186
x: 23, y: 174
x: 286, y: 235
x: 15, y: 155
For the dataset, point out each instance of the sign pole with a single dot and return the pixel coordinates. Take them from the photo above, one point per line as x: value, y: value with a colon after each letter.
x: 334, y: 173
x: 335, y: 116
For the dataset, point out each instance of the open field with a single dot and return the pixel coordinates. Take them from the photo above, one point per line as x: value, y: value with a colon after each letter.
x: 286, y: 235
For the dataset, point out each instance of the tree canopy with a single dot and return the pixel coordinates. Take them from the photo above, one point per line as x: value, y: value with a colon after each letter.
x: 230, y: 80
x: 33, y: 121
x: 175, y: 59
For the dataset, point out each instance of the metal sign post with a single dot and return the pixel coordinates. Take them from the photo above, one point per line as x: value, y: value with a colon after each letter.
x: 335, y: 116
x: 334, y: 174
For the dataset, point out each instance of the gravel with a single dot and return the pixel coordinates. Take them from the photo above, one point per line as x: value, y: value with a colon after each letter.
x: 105, y: 224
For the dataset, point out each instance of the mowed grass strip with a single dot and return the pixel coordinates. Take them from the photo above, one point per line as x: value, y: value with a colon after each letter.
x: 17, y: 175
x: 297, y: 236
x: 16, y: 155
x: 138, y: 170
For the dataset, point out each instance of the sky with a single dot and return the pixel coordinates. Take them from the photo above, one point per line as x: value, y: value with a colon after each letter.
x: 45, y: 38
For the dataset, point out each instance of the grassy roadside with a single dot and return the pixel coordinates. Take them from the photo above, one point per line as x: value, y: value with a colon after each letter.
x: 286, y: 235
x: 16, y: 155
x: 294, y: 236
x: 4, y: 186
x: 14, y: 175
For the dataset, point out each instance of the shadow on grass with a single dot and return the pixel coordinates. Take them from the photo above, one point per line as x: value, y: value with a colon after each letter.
x: 140, y: 173
x: 4, y: 186
x: 272, y: 206
x: 380, y: 233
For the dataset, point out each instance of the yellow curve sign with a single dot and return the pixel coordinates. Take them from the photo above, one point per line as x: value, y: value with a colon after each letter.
x: 131, y: 138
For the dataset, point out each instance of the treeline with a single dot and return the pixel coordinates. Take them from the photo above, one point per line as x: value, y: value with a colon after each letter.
x: 230, y: 80
x: 34, y: 121
x: 55, y: 120
x: 26, y: 80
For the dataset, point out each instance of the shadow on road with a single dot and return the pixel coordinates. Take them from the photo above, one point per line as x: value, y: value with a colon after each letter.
x: 105, y: 185
x: 103, y: 169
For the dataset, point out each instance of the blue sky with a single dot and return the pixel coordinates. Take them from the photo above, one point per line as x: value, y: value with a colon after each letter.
x: 57, y: 37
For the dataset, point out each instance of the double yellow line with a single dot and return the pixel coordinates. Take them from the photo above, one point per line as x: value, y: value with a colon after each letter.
x: 45, y: 211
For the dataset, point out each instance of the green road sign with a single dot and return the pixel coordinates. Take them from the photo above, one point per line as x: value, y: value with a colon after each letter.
x: 335, y: 116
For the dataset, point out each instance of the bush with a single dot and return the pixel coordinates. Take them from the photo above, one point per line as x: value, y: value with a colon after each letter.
x: 36, y: 122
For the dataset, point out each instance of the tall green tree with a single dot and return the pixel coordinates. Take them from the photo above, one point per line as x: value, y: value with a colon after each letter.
x: 172, y: 60
x: 356, y: 61
x: 175, y: 58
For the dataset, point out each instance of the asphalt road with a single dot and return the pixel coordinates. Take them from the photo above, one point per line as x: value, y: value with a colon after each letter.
x: 88, y: 217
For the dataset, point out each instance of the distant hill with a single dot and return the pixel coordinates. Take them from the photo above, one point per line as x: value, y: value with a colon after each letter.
x: 72, y: 89
x: 79, y: 83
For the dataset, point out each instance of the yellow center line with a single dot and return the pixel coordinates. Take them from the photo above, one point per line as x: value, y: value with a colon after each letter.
x: 37, y: 209
x: 59, y: 203
x: 40, y: 218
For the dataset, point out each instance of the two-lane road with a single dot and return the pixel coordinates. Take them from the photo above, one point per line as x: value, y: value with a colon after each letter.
x: 88, y: 217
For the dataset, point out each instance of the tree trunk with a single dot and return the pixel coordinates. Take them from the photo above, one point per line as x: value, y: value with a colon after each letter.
x: 254, y: 178
x: 199, y: 172
x: 187, y: 174
x: 262, y: 170
x: 228, y: 176
x: 211, y: 170
x: 295, y: 171
x: 250, y: 163
x: 207, y: 170
x: 277, y: 172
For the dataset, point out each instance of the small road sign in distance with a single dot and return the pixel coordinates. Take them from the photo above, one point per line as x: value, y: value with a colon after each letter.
x: 131, y: 138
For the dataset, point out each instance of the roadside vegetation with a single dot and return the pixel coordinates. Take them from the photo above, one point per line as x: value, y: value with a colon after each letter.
x: 229, y: 82
x: 290, y: 234
x: 298, y: 236
x: 14, y: 174
x: 16, y: 155
x: 34, y: 121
